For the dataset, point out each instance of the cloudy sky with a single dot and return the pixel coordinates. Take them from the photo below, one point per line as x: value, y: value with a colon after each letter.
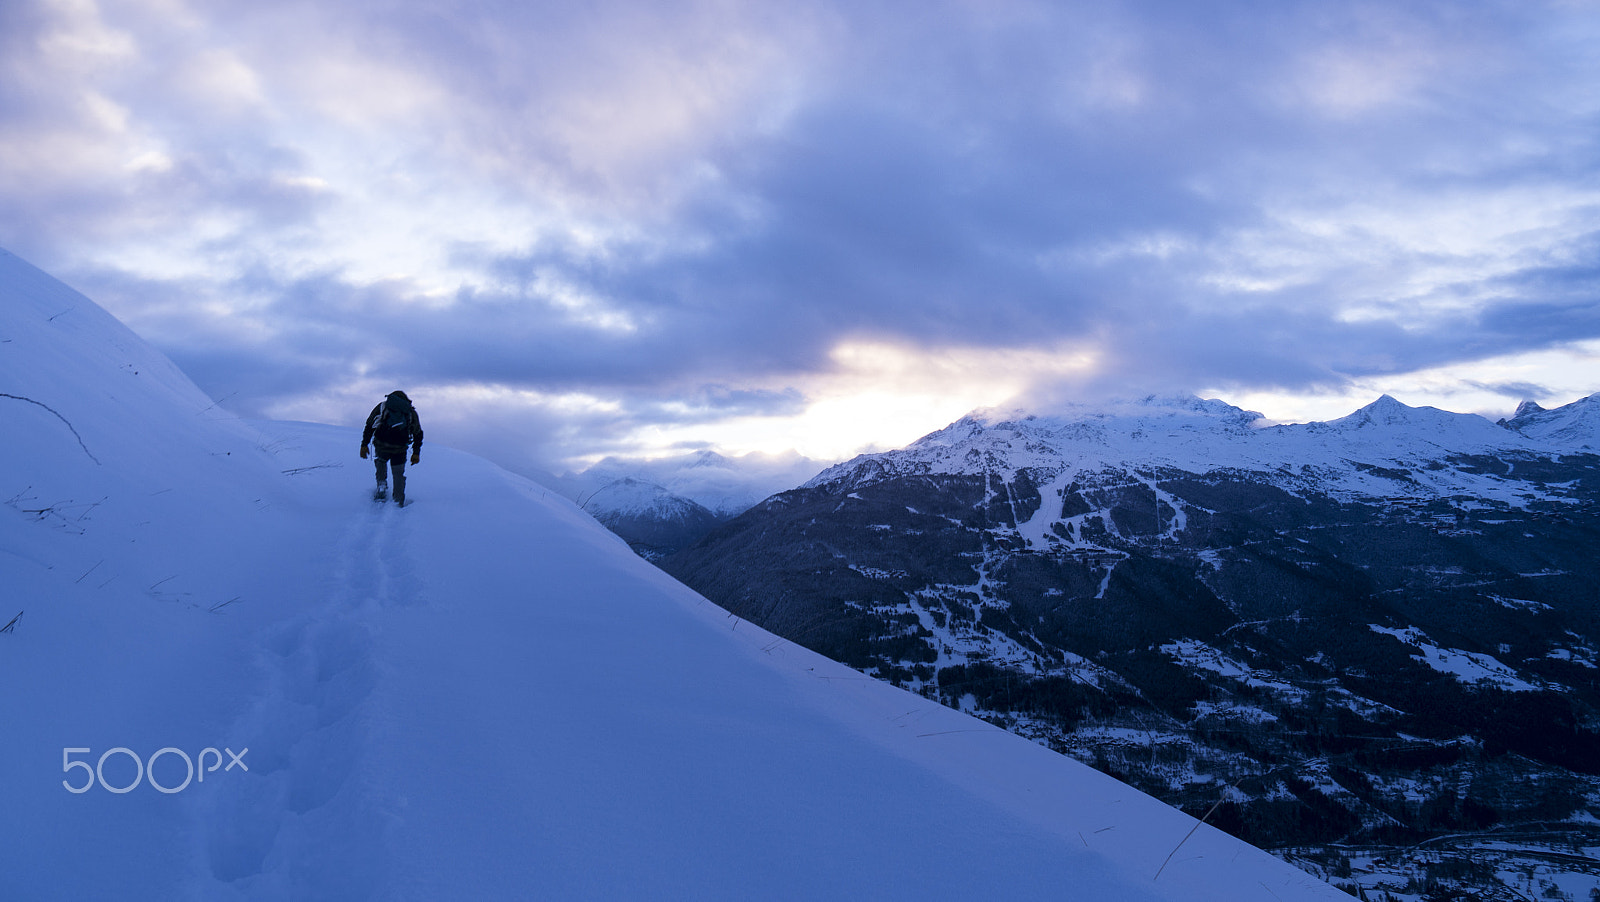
x: 571, y: 229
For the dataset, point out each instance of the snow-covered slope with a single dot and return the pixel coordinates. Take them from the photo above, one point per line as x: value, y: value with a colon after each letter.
x: 482, y: 696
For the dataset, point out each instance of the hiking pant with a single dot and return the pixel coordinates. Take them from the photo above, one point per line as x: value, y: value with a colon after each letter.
x: 396, y: 462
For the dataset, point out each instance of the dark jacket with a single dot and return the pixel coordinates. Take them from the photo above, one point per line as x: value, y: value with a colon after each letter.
x: 384, y: 447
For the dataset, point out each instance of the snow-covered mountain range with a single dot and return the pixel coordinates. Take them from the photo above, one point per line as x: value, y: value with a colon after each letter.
x: 725, y: 486
x: 230, y: 675
x: 661, y: 505
x: 1371, y: 631
x: 1574, y: 426
x: 1362, y: 454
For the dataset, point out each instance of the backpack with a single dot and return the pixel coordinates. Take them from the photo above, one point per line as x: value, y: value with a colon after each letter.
x: 392, y: 425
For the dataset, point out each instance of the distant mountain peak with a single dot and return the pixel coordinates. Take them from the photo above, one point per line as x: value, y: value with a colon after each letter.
x: 1571, y: 427
x: 629, y: 495
x: 1385, y: 411
x: 1398, y: 426
x: 1192, y: 403
x: 971, y: 425
x: 708, y: 458
x: 1527, y: 408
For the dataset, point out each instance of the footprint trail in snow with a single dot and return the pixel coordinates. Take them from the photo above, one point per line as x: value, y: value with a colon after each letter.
x: 312, y: 819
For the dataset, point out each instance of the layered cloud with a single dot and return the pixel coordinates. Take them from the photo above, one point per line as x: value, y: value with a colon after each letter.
x: 577, y: 229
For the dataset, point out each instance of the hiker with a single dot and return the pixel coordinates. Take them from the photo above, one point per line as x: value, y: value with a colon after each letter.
x: 391, y: 426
